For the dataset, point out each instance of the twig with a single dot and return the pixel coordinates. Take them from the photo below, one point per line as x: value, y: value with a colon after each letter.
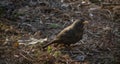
x: 108, y: 4
x: 25, y: 57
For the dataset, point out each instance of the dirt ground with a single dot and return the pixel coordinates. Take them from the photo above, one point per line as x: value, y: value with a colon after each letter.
x: 26, y: 25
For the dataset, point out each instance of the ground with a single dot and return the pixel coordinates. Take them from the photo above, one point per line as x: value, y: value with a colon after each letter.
x: 25, y: 26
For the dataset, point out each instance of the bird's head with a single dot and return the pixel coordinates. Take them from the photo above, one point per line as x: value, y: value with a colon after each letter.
x: 80, y: 23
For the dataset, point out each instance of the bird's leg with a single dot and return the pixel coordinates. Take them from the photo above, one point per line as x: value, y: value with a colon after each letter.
x: 55, y: 44
x: 69, y: 48
x: 71, y: 53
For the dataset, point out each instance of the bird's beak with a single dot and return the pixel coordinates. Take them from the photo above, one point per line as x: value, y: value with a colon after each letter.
x: 85, y: 22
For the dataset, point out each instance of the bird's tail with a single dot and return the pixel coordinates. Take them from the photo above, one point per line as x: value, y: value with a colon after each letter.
x: 48, y: 44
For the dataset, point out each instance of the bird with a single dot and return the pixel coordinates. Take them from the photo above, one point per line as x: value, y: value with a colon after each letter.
x: 69, y: 35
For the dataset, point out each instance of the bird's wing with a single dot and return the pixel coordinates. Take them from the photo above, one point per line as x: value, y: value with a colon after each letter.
x: 66, y: 34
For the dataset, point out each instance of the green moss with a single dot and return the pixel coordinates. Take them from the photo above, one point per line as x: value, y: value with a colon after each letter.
x: 54, y: 25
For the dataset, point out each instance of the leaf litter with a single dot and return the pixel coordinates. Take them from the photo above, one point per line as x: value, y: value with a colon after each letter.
x: 34, y: 23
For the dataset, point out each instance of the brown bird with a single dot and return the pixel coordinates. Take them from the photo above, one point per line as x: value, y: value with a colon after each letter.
x: 70, y: 34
